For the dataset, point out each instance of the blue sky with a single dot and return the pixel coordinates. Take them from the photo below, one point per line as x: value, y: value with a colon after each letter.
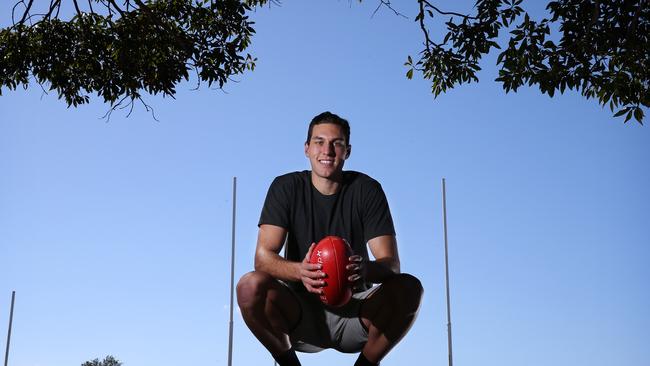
x: 116, y: 235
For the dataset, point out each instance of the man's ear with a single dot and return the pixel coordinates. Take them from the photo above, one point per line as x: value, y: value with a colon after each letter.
x: 306, y: 148
x: 348, y: 151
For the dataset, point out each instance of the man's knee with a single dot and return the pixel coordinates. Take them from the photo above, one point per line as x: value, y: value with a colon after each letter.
x: 401, y: 294
x: 411, y: 286
x: 406, y: 290
x: 394, y: 307
x: 252, y: 286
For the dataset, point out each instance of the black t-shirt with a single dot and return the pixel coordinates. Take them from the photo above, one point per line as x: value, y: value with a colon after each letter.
x: 358, y: 212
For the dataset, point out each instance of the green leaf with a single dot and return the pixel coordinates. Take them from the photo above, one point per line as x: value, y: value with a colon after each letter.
x: 621, y: 112
x: 638, y: 114
x: 500, y: 57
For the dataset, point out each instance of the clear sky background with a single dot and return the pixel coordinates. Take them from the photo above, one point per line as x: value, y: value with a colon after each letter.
x: 116, y: 235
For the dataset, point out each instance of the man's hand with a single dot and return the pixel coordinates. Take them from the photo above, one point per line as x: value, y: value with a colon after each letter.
x: 311, y: 274
x: 356, y: 271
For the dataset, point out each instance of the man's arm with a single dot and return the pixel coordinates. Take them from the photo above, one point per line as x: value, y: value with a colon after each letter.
x: 385, y: 265
x: 267, y: 259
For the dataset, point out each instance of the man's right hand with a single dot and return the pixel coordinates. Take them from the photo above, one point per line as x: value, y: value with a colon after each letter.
x: 311, y: 274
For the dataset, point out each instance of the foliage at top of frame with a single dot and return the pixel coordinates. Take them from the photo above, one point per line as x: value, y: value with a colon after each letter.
x: 117, y: 51
x: 597, y: 47
x: 602, y: 49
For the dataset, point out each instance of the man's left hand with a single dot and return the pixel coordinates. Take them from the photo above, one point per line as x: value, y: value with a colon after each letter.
x: 356, y: 271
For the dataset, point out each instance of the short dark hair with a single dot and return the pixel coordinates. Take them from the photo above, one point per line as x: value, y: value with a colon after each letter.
x: 329, y: 117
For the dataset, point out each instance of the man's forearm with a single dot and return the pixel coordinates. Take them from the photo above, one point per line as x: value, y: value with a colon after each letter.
x: 278, y: 267
x: 380, y: 270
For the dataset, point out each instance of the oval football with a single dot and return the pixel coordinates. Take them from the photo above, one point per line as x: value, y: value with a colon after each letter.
x: 333, y: 253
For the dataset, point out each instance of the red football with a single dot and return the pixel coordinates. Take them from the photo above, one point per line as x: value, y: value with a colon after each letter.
x: 334, y: 253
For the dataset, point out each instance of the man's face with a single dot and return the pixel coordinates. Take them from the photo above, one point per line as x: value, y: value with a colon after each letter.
x: 327, y: 150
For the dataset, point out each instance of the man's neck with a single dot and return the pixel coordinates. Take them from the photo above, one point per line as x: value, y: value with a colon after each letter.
x: 326, y: 186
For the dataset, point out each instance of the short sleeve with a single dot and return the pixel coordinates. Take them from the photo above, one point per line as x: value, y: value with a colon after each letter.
x: 276, y: 205
x: 377, y: 220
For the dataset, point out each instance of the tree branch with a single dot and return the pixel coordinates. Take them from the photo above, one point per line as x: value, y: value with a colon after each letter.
x: 428, y: 4
x: 53, y: 5
x: 387, y: 4
x: 427, y: 40
x: 76, y: 7
x: 58, y: 10
x: 13, y: 11
x: 116, y: 7
x: 29, y: 6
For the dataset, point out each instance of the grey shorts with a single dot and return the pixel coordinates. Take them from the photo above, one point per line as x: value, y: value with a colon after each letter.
x: 321, y: 327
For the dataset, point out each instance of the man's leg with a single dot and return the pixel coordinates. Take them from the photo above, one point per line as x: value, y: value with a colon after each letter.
x: 270, y: 311
x: 388, y: 314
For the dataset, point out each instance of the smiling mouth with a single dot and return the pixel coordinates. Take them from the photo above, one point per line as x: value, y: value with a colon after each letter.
x: 326, y: 162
